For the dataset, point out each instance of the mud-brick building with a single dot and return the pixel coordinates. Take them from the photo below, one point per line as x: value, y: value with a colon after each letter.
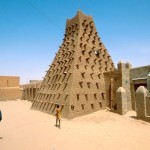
x: 82, y: 77
x: 128, y: 78
x: 139, y: 76
x: 30, y: 90
x: 10, y: 88
x: 75, y: 79
x: 120, y: 77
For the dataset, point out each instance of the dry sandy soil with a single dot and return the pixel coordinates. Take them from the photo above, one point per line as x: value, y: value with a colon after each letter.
x: 25, y: 129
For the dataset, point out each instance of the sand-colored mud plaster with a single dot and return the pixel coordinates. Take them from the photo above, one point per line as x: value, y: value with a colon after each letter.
x: 75, y: 78
x: 143, y: 103
x: 121, y: 99
x: 119, y: 77
x: 148, y: 81
x: 10, y: 88
x: 139, y: 76
x: 30, y: 90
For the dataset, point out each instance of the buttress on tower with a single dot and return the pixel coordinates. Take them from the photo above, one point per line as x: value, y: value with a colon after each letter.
x: 75, y: 78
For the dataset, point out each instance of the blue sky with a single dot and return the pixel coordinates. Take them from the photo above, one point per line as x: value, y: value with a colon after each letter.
x: 31, y: 32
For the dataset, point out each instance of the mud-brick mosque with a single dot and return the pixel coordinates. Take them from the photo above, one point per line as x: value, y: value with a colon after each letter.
x: 83, y: 79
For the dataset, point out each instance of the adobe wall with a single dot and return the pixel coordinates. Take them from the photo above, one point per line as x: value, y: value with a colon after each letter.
x: 148, y: 82
x: 139, y: 77
x: 125, y: 68
x: 142, y: 102
x: 9, y: 81
x: 139, y: 72
x: 148, y: 105
x: 10, y: 93
x: 114, y: 80
x: 30, y: 90
x: 122, y: 101
x: 10, y: 88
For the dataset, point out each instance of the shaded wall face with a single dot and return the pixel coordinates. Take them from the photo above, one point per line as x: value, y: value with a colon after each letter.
x: 134, y: 87
x: 138, y: 85
x: 126, y: 85
x: 148, y: 106
x: 29, y: 92
x: 112, y: 82
x: 148, y: 82
x: 108, y: 91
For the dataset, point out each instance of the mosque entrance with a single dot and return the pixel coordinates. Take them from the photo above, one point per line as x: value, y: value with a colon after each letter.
x: 141, y: 84
x: 111, y: 93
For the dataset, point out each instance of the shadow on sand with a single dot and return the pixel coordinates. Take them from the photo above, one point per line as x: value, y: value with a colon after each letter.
x: 143, y: 121
x: 134, y: 117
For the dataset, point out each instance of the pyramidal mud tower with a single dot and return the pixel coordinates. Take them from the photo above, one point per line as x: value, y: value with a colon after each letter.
x: 75, y: 78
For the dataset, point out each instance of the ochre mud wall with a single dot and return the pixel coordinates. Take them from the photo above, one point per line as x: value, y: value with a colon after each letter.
x: 10, y: 88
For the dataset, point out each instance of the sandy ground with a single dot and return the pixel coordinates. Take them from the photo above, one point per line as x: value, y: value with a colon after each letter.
x: 25, y: 129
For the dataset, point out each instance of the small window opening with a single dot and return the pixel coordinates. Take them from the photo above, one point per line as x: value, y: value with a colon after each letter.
x: 100, y: 103
x: 72, y: 107
x: 82, y: 106
x: 92, y: 105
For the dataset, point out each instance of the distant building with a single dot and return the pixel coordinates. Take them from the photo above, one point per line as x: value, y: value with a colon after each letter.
x: 10, y: 88
x: 34, y: 81
x: 30, y: 90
